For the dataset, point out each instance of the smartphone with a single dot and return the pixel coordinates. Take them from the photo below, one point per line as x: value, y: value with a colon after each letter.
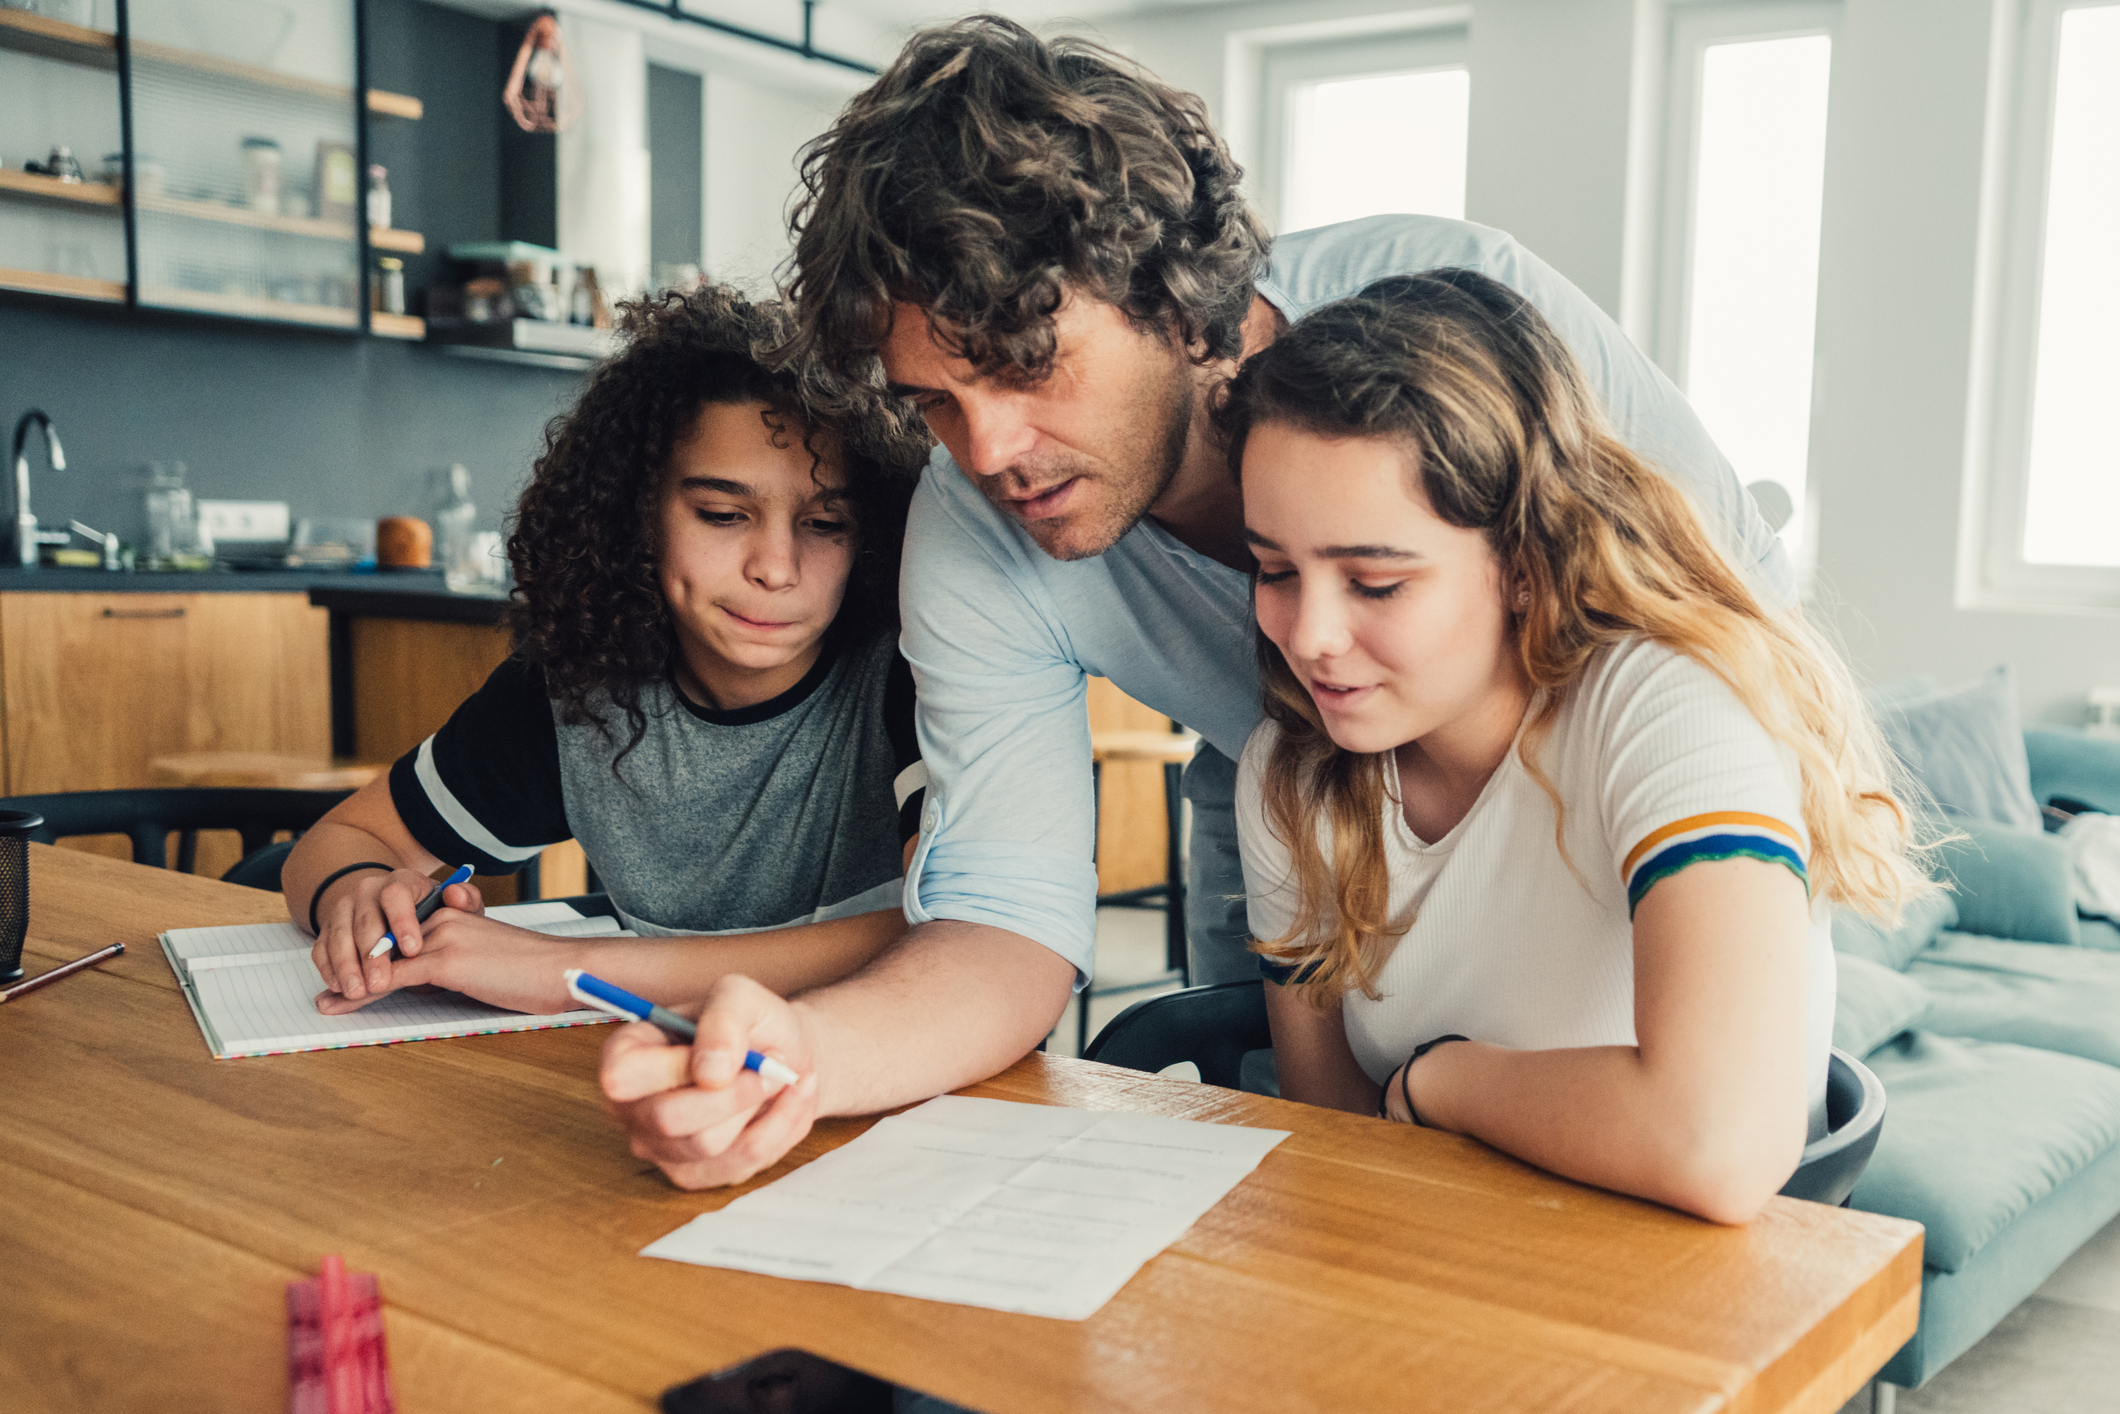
x: 794, y: 1381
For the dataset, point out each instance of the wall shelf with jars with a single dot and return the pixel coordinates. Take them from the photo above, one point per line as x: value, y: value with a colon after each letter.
x: 229, y: 181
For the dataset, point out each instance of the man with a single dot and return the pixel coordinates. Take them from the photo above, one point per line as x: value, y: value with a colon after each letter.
x: 1045, y: 252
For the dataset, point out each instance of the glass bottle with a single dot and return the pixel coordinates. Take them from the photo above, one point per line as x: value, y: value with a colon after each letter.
x: 456, y: 523
x: 378, y: 197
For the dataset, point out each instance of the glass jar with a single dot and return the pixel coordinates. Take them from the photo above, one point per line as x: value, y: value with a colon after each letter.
x: 390, y: 285
x: 261, y: 175
x: 172, y: 521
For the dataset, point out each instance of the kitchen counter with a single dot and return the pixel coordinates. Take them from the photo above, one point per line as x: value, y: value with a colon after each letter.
x: 396, y: 594
x: 402, y: 594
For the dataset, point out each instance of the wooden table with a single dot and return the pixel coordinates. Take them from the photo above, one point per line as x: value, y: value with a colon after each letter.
x: 153, y: 1201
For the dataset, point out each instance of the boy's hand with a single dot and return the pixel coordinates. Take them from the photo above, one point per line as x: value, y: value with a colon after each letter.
x: 357, y: 910
x: 496, y: 963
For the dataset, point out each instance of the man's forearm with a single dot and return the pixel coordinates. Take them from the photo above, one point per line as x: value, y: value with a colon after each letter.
x: 950, y: 1004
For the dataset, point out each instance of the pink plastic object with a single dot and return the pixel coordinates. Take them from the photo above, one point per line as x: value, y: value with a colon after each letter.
x: 336, y: 1363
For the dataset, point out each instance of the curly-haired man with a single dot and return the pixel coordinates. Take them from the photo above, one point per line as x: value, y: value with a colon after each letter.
x: 1044, y: 250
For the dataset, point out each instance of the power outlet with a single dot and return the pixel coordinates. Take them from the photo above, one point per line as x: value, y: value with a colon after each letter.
x: 221, y: 521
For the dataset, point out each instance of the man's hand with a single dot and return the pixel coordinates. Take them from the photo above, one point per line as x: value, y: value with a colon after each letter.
x: 695, y: 1112
x: 355, y: 913
x: 497, y: 963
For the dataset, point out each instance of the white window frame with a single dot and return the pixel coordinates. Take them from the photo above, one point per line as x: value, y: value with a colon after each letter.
x: 1695, y: 26
x: 1993, y: 572
x: 1284, y: 67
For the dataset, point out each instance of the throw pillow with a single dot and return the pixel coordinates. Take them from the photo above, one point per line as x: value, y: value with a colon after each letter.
x: 2010, y: 885
x: 1893, y: 945
x: 1875, y: 1004
x: 1966, y: 747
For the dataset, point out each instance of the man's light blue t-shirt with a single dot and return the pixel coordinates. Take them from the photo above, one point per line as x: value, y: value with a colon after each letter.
x: 1001, y: 636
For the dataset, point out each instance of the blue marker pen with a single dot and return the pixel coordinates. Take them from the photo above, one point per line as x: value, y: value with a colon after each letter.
x: 424, y: 911
x: 598, y: 993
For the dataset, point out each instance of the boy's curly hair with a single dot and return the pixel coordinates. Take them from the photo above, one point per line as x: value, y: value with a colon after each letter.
x: 987, y: 171
x: 589, y: 608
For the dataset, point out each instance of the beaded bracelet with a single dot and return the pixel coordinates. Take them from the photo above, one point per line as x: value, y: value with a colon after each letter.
x: 332, y: 878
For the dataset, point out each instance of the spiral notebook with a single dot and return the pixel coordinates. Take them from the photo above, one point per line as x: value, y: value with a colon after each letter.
x: 253, y: 990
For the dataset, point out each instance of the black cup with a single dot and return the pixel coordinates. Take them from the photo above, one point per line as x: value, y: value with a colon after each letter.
x: 16, y: 826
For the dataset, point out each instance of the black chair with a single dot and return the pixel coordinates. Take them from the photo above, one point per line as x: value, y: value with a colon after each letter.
x: 1854, y: 1118
x: 1213, y: 1027
x: 148, y: 817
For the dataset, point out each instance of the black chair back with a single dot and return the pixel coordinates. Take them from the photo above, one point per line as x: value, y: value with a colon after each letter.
x: 1854, y: 1118
x: 147, y: 817
x: 1213, y: 1027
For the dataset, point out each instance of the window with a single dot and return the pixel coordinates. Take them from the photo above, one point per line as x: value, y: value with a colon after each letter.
x: 2052, y: 529
x: 1366, y: 127
x: 1745, y: 176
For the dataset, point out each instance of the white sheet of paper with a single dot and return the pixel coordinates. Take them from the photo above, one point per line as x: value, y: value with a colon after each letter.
x: 1031, y: 1208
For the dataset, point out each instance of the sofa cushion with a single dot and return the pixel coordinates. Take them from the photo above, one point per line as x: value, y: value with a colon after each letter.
x: 2100, y: 933
x: 2010, y: 885
x: 1976, y: 1132
x: 1966, y: 746
x: 2069, y: 762
x: 1874, y: 1004
x: 1893, y: 945
x: 2058, y: 999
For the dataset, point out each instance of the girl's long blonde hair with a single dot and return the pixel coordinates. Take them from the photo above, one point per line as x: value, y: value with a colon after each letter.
x: 1507, y: 438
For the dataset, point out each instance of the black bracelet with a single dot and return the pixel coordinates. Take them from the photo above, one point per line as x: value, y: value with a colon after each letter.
x: 1406, y: 1074
x: 332, y: 878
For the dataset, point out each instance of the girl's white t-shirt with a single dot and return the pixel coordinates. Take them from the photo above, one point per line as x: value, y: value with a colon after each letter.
x: 1659, y: 766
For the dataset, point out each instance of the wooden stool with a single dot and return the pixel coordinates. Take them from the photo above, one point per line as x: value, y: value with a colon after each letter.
x: 261, y: 769
x: 1171, y: 750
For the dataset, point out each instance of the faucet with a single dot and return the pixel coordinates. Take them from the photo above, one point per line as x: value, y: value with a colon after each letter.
x: 27, y: 536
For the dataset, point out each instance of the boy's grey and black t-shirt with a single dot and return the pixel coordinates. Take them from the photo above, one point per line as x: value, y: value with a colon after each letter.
x: 792, y: 811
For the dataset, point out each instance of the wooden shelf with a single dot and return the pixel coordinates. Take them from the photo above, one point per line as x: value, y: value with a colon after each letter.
x: 26, y: 33
x: 72, y: 44
x: 395, y: 105
x: 97, y: 196
x: 380, y: 238
x: 244, y: 216
x: 396, y: 326
x: 329, y: 316
x: 39, y: 282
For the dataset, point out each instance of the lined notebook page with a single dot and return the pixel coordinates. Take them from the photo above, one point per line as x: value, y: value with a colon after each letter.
x: 253, y: 989
x: 272, y: 1007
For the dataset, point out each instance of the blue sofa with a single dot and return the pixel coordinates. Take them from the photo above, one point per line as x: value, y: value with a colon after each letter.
x: 1992, y: 1015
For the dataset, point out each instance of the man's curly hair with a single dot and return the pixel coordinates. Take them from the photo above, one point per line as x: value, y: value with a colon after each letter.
x: 589, y: 607
x: 985, y: 173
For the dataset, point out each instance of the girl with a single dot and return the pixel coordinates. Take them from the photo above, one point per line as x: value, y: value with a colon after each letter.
x: 1544, y: 821
x: 705, y: 692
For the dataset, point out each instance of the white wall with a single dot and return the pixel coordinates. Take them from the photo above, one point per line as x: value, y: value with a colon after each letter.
x: 1898, y: 359
x: 753, y: 134
x: 603, y: 156
x: 1563, y: 150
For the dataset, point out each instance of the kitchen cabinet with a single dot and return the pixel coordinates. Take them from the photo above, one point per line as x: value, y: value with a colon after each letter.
x: 94, y: 686
x: 237, y: 186
x: 430, y: 667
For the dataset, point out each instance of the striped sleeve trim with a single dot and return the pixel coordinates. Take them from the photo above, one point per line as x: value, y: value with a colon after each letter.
x: 1699, y: 839
x: 468, y: 827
